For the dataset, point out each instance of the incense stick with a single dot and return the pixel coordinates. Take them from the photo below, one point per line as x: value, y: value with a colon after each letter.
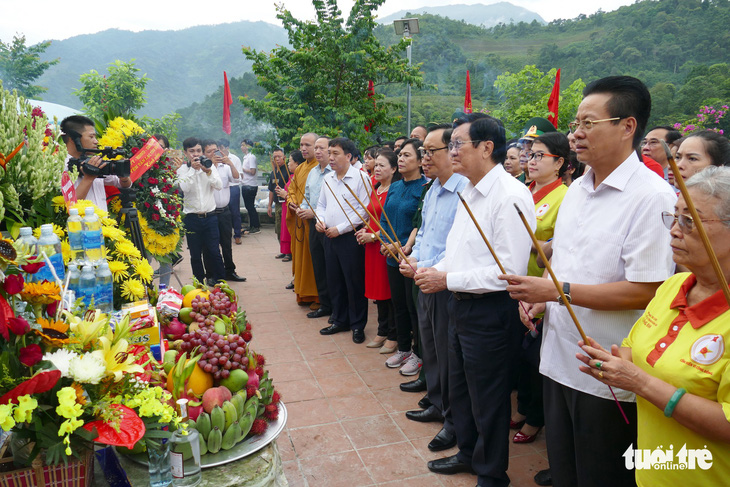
x: 376, y: 235
x: 340, y: 205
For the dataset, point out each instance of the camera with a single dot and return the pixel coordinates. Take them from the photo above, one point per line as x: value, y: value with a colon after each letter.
x: 205, y: 162
x: 120, y: 168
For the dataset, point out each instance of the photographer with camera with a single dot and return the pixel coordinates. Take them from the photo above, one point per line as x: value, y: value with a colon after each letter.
x: 79, y: 134
x: 199, y: 181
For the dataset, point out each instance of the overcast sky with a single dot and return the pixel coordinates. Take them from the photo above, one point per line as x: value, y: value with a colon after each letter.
x: 45, y: 19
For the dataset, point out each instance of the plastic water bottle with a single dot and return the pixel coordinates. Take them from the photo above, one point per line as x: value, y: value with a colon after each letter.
x: 51, y: 245
x: 74, y: 275
x: 87, y: 285
x: 27, y: 241
x: 93, y: 240
x: 76, y: 235
x: 104, y: 297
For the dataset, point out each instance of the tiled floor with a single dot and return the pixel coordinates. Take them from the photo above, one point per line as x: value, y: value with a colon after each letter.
x: 346, y: 422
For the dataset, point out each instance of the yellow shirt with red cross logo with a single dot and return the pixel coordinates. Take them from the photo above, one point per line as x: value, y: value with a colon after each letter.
x: 686, y: 347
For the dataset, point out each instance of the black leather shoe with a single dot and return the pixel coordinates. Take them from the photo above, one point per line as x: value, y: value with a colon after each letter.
x: 332, y: 329
x: 425, y: 403
x: 280, y: 256
x: 449, y: 466
x: 331, y: 321
x: 442, y: 441
x: 543, y: 477
x: 232, y: 276
x: 318, y: 313
x: 358, y: 336
x: 289, y: 286
x: 429, y: 415
x: 418, y: 385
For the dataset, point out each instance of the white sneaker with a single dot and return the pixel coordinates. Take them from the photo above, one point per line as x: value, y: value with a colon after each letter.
x: 412, y: 366
x: 397, y: 359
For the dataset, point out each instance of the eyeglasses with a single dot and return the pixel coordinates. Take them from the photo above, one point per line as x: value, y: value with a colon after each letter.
x: 458, y: 144
x: 650, y: 142
x: 686, y: 222
x: 539, y: 155
x: 429, y: 152
x: 588, y: 124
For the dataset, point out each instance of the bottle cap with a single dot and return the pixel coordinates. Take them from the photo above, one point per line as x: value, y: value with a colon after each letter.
x: 89, y: 211
x: 25, y: 231
x: 73, y: 211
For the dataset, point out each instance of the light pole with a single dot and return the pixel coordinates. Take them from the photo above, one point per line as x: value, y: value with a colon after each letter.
x: 406, y: 27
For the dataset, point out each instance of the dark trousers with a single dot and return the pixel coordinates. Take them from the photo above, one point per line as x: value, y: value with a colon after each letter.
x: 202, y: 235
x: 225, y: 232
x: 316, y: 249
x: 586, y: 438
x: 484, y: 341
x: 249, y: 196
x: 529, y: 389
x: 406, y: 317
x: 386, y: 319
x: 433, y: 324
x: 235, y: 207
x: 277, y: 220
x: 346, y: 281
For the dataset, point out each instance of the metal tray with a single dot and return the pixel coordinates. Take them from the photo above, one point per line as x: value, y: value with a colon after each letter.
x: 241, y: 450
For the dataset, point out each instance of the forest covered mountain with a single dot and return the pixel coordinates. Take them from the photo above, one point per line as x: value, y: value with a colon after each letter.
x: 477, y: 14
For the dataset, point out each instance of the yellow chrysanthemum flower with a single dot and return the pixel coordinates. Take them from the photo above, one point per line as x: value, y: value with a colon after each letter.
x: 133, y: 290
x: 119, y: 270
x: 112, y: 233
x: 143, y: 269
x: 115, y: 205
x: 59, y: 204
x: 127, y: 249
x: 66, y: 251
x: 109, y: 222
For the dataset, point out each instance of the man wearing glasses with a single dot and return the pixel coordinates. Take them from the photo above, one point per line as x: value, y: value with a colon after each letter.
x: 610, y: 252
x: 484, y: 325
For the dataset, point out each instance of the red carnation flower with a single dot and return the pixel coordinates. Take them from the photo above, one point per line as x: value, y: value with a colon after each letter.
x: 156, y: 217
x: 18, y: 326
x: 31, y: 355
x: 152, y: 180
x: 135, y: 150
x: 156, y: 166
x: 140, y: 185
x: 14, y: 283
x: 32, y: 268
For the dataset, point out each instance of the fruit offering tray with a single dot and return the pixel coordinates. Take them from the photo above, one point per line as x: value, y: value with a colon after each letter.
x: 241, y: 450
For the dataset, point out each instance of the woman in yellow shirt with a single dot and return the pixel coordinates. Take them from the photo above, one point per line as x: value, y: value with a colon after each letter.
x: 675, y: 358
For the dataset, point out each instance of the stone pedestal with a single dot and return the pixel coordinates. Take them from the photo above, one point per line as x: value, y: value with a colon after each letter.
x: 261, y: 469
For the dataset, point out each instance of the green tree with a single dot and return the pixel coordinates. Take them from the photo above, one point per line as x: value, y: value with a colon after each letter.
x: 121, y: 92
x: 21, y: 65
x: 321, y: 83
x: 526, y: 94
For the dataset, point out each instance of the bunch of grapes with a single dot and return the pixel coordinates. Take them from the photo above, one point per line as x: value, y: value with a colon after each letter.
x: 202, y: 311
x: 220, y: 302
x: 220, y: 353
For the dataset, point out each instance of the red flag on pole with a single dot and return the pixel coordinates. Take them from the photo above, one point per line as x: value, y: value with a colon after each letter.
x: 371, y: 94
x: 554, y: 101
x: 467, y: 95
x: 227, y: 101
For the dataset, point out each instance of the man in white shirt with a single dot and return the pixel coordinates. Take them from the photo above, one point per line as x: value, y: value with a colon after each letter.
x: 229, y: 175
x: 249, y: 185
x: 610, y: 253
x: 484, y: 325
x: 234, y: 205
x: 346, y: 258
x: 199, y: 183
x: 79, y: 132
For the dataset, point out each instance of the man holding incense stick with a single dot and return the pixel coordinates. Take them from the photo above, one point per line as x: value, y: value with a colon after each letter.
x: 484, y: 325
x: 610, y: 253
x: 346, y: 257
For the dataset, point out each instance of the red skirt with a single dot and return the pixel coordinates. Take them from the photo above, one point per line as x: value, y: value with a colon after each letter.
x: 376, y: 273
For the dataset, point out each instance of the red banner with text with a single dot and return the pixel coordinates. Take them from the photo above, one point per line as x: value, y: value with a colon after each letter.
x: 144, y: 158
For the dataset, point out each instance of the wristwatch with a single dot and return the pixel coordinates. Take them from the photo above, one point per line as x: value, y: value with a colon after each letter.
x: 566, y: 291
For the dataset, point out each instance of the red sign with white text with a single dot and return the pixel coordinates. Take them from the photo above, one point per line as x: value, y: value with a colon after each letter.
x: 68, y: 190
x: 144, y: 158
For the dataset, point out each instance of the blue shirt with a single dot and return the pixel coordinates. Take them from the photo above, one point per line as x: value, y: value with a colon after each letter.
x: 313, y: 186
x: 400, y: 205
x: 439, y: 208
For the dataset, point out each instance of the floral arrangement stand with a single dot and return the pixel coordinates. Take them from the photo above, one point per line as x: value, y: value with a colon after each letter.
x: 77, y: 473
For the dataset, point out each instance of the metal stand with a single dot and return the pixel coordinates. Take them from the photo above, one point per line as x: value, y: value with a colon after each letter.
x: 128, y: 217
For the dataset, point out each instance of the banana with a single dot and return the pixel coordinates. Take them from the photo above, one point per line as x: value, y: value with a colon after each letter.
x: 252, y: 405
x: 229, y: 438
x: 217, y: 418
x: 203, y: 445
x: 230, y: 413
x: 203, y: 425
x: 245, y: 423
x: 192, y: 424
x: 214, y: 440
x: 240, y: 403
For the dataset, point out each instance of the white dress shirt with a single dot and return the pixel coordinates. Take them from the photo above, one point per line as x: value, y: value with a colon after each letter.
x: 199, y: 189
x: 468, y: 263
x: 608, y: 234
x: 222, y: 196
x: 249, y: 162
x: 97, y: 193
x: 328, y: 205
x: 237, y: 164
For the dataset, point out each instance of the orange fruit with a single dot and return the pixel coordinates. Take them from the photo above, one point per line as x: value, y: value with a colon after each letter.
x: 188, y: 299
x: 199, y: 381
